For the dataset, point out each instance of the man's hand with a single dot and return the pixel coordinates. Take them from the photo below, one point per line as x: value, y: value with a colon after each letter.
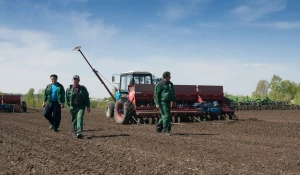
x: 43, y: 105
x: 88, y: 109
x: 173, y: 104
x: 62, y: 105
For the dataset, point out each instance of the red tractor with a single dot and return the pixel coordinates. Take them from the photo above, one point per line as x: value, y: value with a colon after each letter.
x: 134, y: 100
x: 135, y: 103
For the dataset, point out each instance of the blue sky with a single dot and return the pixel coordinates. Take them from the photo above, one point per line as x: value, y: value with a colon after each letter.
x: 234, y: 43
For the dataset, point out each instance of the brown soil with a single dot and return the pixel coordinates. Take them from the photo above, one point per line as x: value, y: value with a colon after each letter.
x: 261, y: 142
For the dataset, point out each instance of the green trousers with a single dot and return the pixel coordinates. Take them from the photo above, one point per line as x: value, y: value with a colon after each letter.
x: 77, y: 115
x: 164, y: 122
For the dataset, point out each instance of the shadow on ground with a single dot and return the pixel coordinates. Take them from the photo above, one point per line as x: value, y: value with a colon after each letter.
x: 102, y: 136
x: 193, y: 134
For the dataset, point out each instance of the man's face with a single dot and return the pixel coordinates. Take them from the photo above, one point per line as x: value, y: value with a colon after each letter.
x: 168, y: 78
x: 76, y: 81
x: 53, y: 80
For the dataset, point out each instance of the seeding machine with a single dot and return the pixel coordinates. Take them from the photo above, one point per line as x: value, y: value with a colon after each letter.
x: 134, y: 103
x: 261, y: 104
x: 12, y: 103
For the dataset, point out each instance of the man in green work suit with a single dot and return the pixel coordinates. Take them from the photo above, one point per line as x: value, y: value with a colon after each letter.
x: 164, y: 95
x: 53, y: 102
x: 77, y: 98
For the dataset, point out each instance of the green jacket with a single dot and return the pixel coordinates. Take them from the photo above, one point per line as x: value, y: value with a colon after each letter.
x: 82, y: 91
x: 164, y: 92
x: 60, y: 93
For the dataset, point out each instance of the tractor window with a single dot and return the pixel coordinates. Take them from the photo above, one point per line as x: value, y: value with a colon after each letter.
x: 147, y: 80
x: 129, y: 80
x: 136, y: 79
x: 142, y: 80
x: 123, y: 84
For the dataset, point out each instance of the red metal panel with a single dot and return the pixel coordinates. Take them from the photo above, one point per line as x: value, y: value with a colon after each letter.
x: 172, y: 111
x: 204, y: 89
x: 185, y: 89
x: 144, y: 88
x: 14, y: 99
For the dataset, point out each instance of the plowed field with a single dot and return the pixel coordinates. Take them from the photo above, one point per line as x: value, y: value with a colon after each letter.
x: 261, y: 142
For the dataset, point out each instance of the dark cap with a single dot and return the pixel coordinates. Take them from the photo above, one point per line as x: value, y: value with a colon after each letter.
x: 76, y: 77
x: 53, y: 75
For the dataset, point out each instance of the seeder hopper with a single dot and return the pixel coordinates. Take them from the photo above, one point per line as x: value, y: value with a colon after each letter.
x: 12, y: 103
x: 134, y: 103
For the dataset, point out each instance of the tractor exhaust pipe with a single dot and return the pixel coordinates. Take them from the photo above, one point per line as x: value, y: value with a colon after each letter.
x: 96, y: 72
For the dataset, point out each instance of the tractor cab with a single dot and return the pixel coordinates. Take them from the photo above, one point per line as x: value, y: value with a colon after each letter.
x: 131, y: 78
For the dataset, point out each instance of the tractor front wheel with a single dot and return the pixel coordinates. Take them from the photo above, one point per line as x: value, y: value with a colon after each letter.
x: 123, y: 112
x: 109, y: 109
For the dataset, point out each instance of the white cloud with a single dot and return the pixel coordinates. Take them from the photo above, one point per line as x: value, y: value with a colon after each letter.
x: 78, y: 27
x: 219, y: 50
x: 280, y: 25
x: 92, y: 30
x: 256, y: 9
x: 27, y: 67
x: 177, y: 30
x: 29, y: 57
x: 176, y: 10
x: 254, y: 65
x: 67, y: 2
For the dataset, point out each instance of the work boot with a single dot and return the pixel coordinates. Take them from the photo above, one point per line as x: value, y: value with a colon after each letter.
x: 79, y: 136
x: 167, y: 134
x: 157, y: 132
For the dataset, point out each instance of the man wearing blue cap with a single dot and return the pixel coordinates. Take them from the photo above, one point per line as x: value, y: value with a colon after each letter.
x: 77, y: 98
x: 54, y: 96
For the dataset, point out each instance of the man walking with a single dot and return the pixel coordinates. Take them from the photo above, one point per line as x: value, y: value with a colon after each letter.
x: 54, y: 96
x: 77, y: 98
x: 164, y: 94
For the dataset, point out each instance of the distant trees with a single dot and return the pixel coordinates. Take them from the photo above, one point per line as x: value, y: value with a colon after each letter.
x: 278, y: 90
x: 40, y: 97
x: 36, y: 100
x: 29, y: 98
x: 261, y: 90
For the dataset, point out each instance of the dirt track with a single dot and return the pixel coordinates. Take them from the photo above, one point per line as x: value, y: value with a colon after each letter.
x: 265, y: 142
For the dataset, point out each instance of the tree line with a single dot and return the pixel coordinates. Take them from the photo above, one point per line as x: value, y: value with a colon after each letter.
x: 34, y: 99
x: 276, y: 89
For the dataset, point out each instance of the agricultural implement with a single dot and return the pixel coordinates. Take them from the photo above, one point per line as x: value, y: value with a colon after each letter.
x: 262, y: 104
x: 12, y: 103
x: 134, y: 103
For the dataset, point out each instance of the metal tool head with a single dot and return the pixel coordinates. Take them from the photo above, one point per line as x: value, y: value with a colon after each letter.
x: 77, y: 48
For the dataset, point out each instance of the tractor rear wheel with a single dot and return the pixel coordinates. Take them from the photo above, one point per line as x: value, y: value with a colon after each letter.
x: 24, y: 106
x: 123, y: 112
x: 109, y: 109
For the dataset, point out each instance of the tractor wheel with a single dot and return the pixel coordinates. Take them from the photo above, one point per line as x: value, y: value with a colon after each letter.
x: 109, y: 109
x: 123, y: 112
x: 24, y: 106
